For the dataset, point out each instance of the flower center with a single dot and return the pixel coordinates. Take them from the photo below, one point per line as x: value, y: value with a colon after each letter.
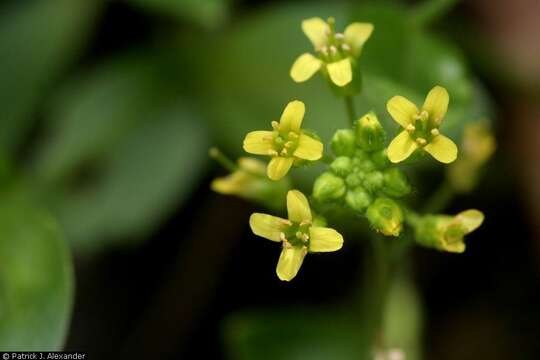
x: 284, y: 143
x: 423, y: 129
x: 297, y: 234
x: 336, y: 48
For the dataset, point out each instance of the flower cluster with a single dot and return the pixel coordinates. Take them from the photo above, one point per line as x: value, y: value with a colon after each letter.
x: 362, y: 176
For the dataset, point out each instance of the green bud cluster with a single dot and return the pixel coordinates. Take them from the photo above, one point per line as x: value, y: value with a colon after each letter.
x: 362, y: 177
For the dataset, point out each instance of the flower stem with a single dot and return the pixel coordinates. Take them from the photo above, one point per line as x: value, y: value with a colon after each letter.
x: 431, y: 10
x: 351, y: 113
x: 439, y: 199
x: 223, y: 160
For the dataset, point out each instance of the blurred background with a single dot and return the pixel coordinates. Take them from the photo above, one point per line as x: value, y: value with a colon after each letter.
x: 112, y: 243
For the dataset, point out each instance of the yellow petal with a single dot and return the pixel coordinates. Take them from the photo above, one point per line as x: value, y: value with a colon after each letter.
x: 470, y: 219
x: 278, y: 167
x: 289, y: 263
x: 258, y: 142
x: 298, y: 207
x: 323, y: 239
x: 401, y: 110
x: 436, y: 103
x: 231, y: 184
x: 340, y: 72
x: 401, y: 147
x: 456, y: 247
x: 356, y: 34
x: 442, y: 149
x: 308, y: 148
x: 267, y: 226
x: 252, y: 165
x: 316, y: 29
x: 291, y: 119
x: 304, y: 67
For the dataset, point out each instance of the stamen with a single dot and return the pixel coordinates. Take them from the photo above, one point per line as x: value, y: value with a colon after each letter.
x: 288, y: 144
x: 283, y: 238
x: 305, y: 237
x: 275, y: 125
x: 410, y: 128
x: 305, y: 222
x: 345, y: 47
x: 333, y: 50
x: 339, y: 36
x: 284, y: 152
x: 273, y: 152
x: 286, y: 222
x: 435, y: 132
x: 293, y: 135
x: 421, y: 141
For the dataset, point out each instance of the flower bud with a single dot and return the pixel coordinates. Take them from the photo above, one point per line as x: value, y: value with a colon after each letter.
x: 380, y: 159
x: 343, y: 142
x: 355, y: 179
x: 342, y: 166
x: 385, y: 216
x: 358, y: 199
x: 395, y: 183
x: 446, y: 233
x: 328, y: 187
x: 373, y: 181
x: 370, y: 135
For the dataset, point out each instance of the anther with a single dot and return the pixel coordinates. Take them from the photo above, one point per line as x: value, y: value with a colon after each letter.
x: 421, y: 141
x: 305, y: 237
x: 435, y: 132
x: 286, y: 222
x: 345, y: 47
x: 282, y: 237
x: 410, y: 128
x: 339, y: 36
x: 305, y: 222
x: 293, y: 135
x: 272, y: 152
x: 284, y: 152
x: 333, y: 50
x: 275, y: 125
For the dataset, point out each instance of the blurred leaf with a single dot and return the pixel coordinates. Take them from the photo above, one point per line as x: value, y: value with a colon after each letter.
x: 208, y: 13
x: 250, y: 84
x: 145, y: 177
x: 124, y: 151
x: 36, y: 278
x: 38, y: 39
x: 293, y: 334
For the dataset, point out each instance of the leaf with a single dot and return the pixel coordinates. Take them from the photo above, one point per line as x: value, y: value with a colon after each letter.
x: 145, y: 177
x: 208, y: 13
x: 38, y: 39
x: 292, y: 334
x: 36, y: 278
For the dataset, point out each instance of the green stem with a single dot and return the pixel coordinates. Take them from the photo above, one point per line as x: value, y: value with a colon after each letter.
x: 224, y: 161
x: 430, y: 11
x: 351, y: 113
x: 440, y: 199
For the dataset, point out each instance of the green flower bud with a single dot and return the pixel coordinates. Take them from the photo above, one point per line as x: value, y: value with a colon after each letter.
x: 343, y: 142
x: 355, y: 179
x: 358, y: 199
x: 328, y: 187
x: 380, y: 159
x: 366, y: 165
x: 396, y: 183
x: 370, y: 135
x: 342, y: 166
x: 385, y: 216
x: 446, y: 233
x: 373, y: 181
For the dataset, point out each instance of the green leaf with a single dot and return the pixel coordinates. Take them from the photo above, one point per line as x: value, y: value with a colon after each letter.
x: 36, y: 278
x: 124, y: 149
x: 208, y: 13
x: 292, y: 334
x: 38, y: 39
x: 144, y: 178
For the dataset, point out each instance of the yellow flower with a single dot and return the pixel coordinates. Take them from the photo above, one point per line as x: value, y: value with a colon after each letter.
x: 241, y: 181
x: 478, y: 146
x: 286, y: 143
x: 298, y: 234
x: 336, y: 52
x: 446, y: 233
x: 421, y: 127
